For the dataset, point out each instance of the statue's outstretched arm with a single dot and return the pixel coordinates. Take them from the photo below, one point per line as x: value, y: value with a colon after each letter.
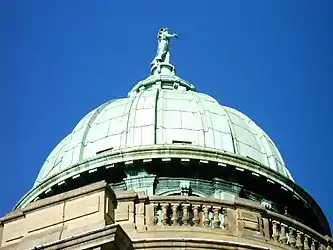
x: 174, y: 35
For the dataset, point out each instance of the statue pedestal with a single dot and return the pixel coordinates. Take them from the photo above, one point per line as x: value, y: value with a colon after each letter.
x: 163, y: 69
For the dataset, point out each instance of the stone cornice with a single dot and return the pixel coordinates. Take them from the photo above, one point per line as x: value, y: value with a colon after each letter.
x: 93, y: 238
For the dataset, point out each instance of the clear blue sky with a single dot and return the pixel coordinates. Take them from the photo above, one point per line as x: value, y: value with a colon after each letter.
x: 272, y: 60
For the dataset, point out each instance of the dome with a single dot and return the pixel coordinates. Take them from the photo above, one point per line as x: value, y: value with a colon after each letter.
x: 167, y: 115
x: 165, y: 139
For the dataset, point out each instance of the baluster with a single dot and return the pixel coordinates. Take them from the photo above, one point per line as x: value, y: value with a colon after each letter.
x: 155, y: 214
x: 206, y: 216
x: 292, y: 237
x: 306, y: 242
x: 216, y: 222
x: 283, y: 236
x: 165, y: 214
x: 225, y: 218
x: 275, y: 233
x: 185, y: 217
x: 174, y: 218
x: 322, y: 247
x: 299, y: 243
x: 196, y: 218
x: 313, y: 245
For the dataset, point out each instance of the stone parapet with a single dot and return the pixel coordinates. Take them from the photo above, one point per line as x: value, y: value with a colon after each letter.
x: 170, y: 217
x: 91, y: 216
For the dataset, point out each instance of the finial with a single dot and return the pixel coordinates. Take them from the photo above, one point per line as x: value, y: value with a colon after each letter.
x: 162, y: 57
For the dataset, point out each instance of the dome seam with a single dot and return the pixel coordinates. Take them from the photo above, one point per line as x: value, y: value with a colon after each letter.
x: 136, y: 99
x: 232, y: 132
x: 155, y: 114
x: 45, y: 174
x: 202, y: 113
x: 88, y: 126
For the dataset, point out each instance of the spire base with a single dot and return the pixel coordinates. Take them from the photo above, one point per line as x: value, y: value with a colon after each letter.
x: 163, y: 68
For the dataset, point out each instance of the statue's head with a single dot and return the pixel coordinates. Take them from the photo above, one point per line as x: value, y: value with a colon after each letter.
x: 163, y: 30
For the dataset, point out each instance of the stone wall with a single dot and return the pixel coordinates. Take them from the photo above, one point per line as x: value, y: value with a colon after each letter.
x: 59, y: 217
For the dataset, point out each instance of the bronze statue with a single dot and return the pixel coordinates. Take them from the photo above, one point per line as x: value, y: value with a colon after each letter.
x: 163, y: 52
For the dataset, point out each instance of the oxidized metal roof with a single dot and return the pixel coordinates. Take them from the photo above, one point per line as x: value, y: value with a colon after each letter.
x: 170, y: 112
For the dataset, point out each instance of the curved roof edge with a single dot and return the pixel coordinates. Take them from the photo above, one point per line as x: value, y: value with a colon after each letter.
x: 108, y: 159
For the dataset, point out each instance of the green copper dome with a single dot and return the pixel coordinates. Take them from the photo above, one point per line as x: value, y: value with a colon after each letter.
x: 160, y: 111
x: 163, y: 115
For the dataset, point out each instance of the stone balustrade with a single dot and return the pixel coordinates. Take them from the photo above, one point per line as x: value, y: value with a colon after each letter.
x: 289, y: 232
x: 182, y: 214
x: 237, y: 218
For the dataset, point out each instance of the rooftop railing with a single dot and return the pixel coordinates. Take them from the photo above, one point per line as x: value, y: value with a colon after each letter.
x: 229, y: 217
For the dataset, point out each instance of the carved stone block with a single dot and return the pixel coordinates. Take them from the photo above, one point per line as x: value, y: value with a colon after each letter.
x: 140, y: 216
x: 249, y: 222
x: 122, y: 212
